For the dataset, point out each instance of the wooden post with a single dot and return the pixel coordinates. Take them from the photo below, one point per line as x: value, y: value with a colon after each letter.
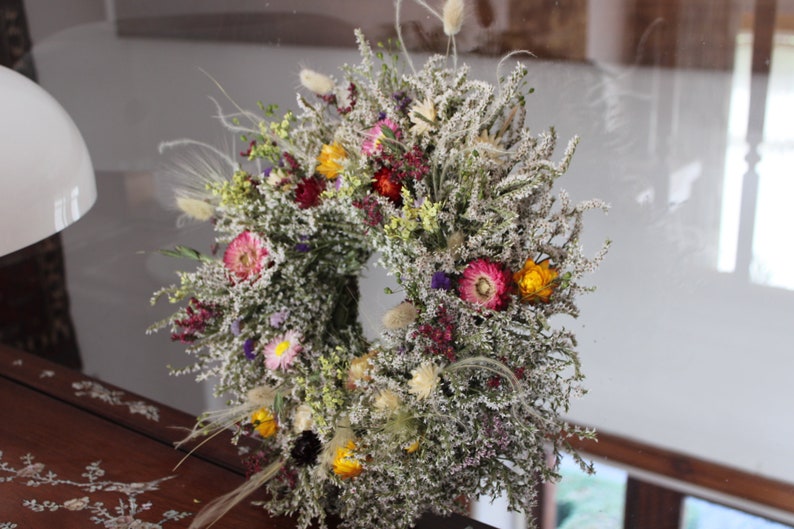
x: 651, y: 507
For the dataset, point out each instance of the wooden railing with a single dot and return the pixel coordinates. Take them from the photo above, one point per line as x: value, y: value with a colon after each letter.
x: 659, y: 480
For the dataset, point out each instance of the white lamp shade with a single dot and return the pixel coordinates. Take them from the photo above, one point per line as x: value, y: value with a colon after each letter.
x: 46, y: 177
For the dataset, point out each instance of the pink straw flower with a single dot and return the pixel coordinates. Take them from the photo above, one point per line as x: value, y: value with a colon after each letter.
x: 245, y: 255
x: 375, y: 136
x: 280, y: 353
x: 486, y: 283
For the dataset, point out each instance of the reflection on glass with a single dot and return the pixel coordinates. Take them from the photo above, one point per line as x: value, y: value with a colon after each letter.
x: 735, y: 165
x: 773, y: 261
x: 594, y: 501
x: 701, y: 514
x: 770, y: 263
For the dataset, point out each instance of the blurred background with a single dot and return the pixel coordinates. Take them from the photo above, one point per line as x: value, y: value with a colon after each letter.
x: 684, y: 109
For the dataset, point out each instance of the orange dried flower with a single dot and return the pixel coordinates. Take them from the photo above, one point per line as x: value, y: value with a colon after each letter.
x: 536, y: 281
x: 264, y: 422
x: 412, y: 447
x: 346, y: 466
x: 331, y: 158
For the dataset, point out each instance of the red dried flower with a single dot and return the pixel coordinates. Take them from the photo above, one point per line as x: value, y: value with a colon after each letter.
x: 308, y: 191
x: 441, y: 335
x: 386, y: 185
x: 369, y: 205
x: 197, y: 316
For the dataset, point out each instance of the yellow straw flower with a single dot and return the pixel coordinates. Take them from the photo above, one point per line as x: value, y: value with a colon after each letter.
x: 332, y: 158
x: 412, y: 447
x: 345, y: 465
x: 264, y: 422
x: 536, y: 281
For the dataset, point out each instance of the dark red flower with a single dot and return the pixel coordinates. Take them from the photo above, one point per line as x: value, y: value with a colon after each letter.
x: 290, y: 164
x: 440, y: 334
x: 308, y: 191
x: 247, y: 153
x: 369, y: 205
x: 197, y: 316
x: 410, y: 165
x: 387, y: 186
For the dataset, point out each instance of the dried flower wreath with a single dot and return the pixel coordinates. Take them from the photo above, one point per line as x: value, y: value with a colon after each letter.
x: 462, y: 393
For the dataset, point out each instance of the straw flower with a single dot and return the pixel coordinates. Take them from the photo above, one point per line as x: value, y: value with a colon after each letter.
x: 373, y: 144
x: 536, y: 281
x: 490, y: 144
x: 345, y: 464
x: 264, y: 422
x: 245, y: 255
x: 412, y: 447
x: 279, y: 178
x: 359, y: 371
x: 387, y: 401
x: 331, y: 158
x: 486, y: 283
x: 422, y: 116
x: 424, y: 381
x: 302, y: 420
x: 384, y: 183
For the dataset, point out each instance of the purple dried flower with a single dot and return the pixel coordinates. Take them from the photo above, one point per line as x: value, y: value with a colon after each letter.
x: 236, y: 327
x: 440, y: 281
x: 248, y: 349
x: 402, y: 101
x: 277, y: 319
x: 303, y: 246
